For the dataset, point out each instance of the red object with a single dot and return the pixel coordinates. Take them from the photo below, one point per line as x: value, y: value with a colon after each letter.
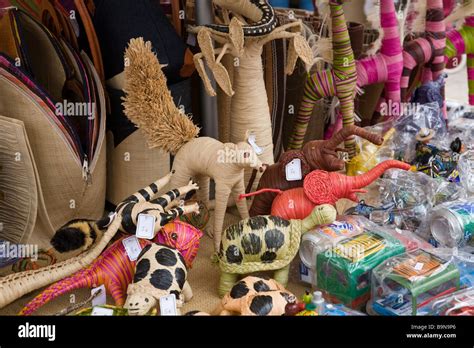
x: 321, y: 187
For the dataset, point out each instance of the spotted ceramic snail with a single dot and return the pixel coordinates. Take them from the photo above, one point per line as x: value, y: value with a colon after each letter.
x: 160, y: 271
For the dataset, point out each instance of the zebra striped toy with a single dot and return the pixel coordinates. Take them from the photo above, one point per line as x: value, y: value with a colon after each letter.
x: 83, y: 233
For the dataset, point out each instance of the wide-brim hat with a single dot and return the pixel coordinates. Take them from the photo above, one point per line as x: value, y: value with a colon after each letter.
x: 425, y: 134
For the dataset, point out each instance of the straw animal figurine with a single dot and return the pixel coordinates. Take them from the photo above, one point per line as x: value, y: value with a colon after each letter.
x: 264, y: 243
x: 383, y: 67
x: 148, y: 104
x: 316, y: 154
x: 461, y: 41
x: 114, y: 269
x: 243, y: 37
x: 83, y: 233
x: 426, y: 51
x: 255, y: 296
x: 321, y: 187
x: 339, y: 81
x: 160, y: 271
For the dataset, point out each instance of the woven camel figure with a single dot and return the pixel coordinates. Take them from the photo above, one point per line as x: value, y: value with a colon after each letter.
x: 248, y: 25
x: 384, y: 67
x: 339, y: 81
x: 84, y: 234
x: 426, y: 51
x: 461, y: 41
x: 316, y: 154
x: 149, y: 105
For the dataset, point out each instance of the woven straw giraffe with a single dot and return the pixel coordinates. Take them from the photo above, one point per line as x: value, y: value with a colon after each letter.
x: 338, y: 81
x: 385, y: 66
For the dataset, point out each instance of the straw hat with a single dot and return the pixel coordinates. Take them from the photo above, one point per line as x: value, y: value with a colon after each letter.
x: 425, y: 134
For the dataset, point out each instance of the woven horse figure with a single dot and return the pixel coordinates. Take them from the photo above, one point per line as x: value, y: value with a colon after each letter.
x: 338, y: 81
x: 426, y: 51
x: 462, y: 41
x: 385, y: 66
x: 115, y: 270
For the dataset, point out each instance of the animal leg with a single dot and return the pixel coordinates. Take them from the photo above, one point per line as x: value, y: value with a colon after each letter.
x: 281, y: 275
x: 187, y: 292
x: 173, y: 195
x: 226, y: 283
x: 317, y: 87
x: 222, y: 196
x: 151, y: 191
x: 203, y: 192
x: 237, y: 190
x: 118, y: 294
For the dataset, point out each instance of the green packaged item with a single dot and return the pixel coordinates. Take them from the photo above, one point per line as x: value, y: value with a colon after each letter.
x: 344, y: 272
x: 407, y: 282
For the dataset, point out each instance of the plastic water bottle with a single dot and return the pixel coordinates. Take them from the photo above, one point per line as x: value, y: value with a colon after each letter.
x: 318, y: 301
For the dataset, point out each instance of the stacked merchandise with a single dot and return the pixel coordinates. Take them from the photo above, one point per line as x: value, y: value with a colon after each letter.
x: 378, y: 220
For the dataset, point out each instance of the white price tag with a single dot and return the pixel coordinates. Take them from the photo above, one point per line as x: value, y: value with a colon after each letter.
x: 132, y: 247
x: 100, y: 311
x: 293, y: 170
x: 100, y: 299
x: 145, y: 226
x: 419, y: 266
x: 168, y: 305
x: 253, y: 142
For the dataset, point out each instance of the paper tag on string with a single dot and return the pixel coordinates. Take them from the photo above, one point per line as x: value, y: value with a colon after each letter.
x: 100, y: 311
x: 100, y: 299
x: 132, y: 247
x: 168, y: 305
x: 145, y: 226
x: 293, y: 170
x: 252, y: 140
x: 419, y: 266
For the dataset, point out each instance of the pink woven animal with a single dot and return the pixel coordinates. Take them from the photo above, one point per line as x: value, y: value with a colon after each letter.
x: 114, y: 269
x: 386, y: 66
x: 426, y: 51
x: 321, y: 187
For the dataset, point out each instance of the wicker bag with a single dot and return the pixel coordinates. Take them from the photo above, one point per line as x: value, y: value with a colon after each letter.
x: 69, y: 152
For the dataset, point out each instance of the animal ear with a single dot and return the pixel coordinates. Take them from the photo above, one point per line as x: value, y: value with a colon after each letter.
x: 236, y: 34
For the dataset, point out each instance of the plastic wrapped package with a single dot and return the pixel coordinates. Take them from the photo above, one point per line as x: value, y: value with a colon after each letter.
x: 340, y: 310
x: 404, y: 283
x: 428, y: 116
x: 459, y: 303
x: 321, y: 239
x: 370, y: 154
x: 452, y: 223
x: 466, y: 171
x: 344, y: 271
x: 464, y: 261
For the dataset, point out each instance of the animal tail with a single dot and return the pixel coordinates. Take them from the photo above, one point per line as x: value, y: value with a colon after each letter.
x: 148, y: 102
x: 251, y: 194
x: 76, y: 281
x: 77, y: 234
